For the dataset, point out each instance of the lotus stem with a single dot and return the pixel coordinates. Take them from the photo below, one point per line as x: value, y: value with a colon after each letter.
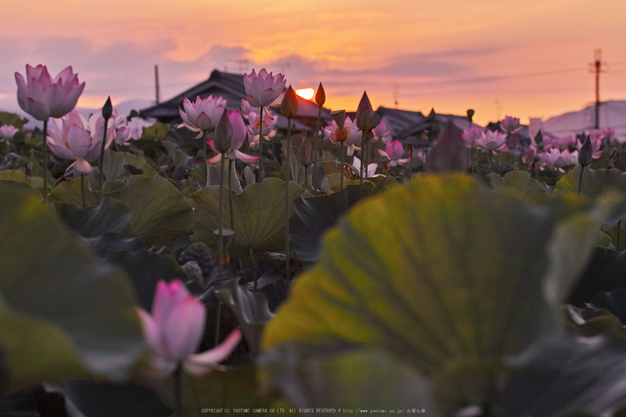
x: 260, y: 173
x: 230, y: 208
x: 45, y: 161
x: 104, y: 139
x: 342, y: 159
x: 220, y: 252
x: 306, y: 177
x: 362, y: 158
x: 206, y: 163
x: 178, y: 392
x: 315, y: 145
x: 220, y: 225
x: 287, y: 197
x: 254, y: 268
x: 82, y: 188
x: 580, y: 180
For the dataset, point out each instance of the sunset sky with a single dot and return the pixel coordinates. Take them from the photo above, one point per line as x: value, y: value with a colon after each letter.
x: 499, y: 57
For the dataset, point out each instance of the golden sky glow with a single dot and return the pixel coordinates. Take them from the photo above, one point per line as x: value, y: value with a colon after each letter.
x: 496, y: 56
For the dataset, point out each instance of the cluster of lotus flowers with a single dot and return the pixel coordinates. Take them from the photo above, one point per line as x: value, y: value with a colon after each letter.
x: 543, y: 150
x: 263, y: 91
x: 70, y: 135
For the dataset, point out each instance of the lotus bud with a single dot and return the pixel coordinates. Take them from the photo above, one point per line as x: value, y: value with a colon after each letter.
x: 107, y: 109
x: 539, y: 137
x: 365, y: 116
x: 339, y: 116
x: 289, y: 106
x: 470, y: 115
x: 586, y: 153
x: 306, y: 152
x: 320, y: 96
x: 223, y: 134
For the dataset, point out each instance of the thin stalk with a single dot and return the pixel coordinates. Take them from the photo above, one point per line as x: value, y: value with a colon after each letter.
x: 104, y: 140
x: 206, y: 163
x: 45, y: 161
x: 178, y: 392
x: 362, y: 157
x: 367, y: 157
x: 82, y: 188
x: 306, y: 177
x: 342, y: 158
x: 220, y: 249
x: 580, y: 180
x: 619, y: 232
x: 287, y: 198
x: 254, y: 268
x: 260, y: 173
x: 315, y: 145
x: 230, y: 207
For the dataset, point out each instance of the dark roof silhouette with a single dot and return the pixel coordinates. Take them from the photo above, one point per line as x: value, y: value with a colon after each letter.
x: 230, y: 87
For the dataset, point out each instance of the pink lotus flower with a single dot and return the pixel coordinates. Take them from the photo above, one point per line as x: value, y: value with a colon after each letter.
x: 382, y: 132
x: 43, y: 97
x: 263, y: 89
x: 470, y: 136
x: 203, y: 114
x: 268, y: 130
x: 492, y: 140
x: 175, y: 329
x: 558, y: 159
x: 73, y: 137
x: 239, y: 136
x: 246, y: 108
x: 354, y: 135
x: 7, y: 132
x: 371, y: 168
x: 393, y: 151
x: 596, y: 145
x: 510, y: 124
x: 563, y: 143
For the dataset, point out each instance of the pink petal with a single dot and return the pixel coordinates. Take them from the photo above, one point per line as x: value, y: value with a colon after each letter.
x: 151, y: 333
x: 245, y: 157
x: 204, y: 362
x: 184, y: 327
x: 83, y: 166
x: 166, y: 298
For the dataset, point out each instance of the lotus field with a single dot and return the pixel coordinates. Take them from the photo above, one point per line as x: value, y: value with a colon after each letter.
x: 224, y: 266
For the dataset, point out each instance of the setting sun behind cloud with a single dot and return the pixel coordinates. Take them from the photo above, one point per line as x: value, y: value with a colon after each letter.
x: 306, y: 93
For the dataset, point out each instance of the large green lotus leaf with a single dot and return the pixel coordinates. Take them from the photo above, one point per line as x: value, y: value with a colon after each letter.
x: 594, y: 183
x: 574, y: 376
x: 441, y: 273
x: 259, y: 216
x: 314, y: 215
x: 110, y: 215
x: 160, y: 213
x: 138, y: 162
x: 345, y: 378
x: 61, y: 309
x: 70, y: 192
x: 19, y: 176
x: 520, y: 184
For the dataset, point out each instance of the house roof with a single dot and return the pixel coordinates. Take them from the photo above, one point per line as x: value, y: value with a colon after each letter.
x: 230, y: 87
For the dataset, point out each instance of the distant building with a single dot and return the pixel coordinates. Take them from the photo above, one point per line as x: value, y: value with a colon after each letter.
x: 425, y: 129
x: 230, y: 87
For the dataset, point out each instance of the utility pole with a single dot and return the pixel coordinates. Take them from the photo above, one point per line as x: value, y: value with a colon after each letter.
x: 597, y: 67
x: 395, y: 95
x: 156, y: 83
